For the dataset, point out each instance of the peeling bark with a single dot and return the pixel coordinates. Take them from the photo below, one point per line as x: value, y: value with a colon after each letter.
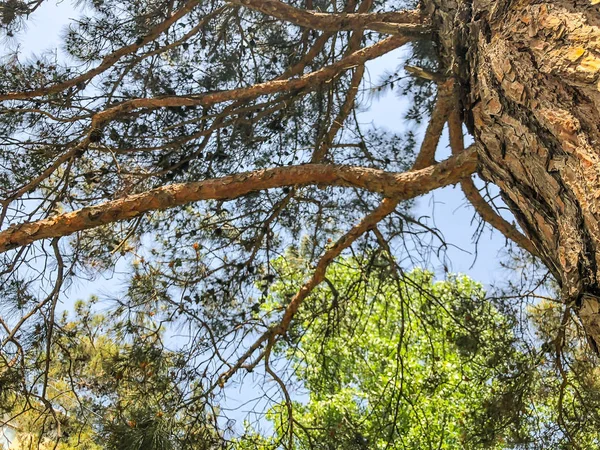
x: 528, y: 77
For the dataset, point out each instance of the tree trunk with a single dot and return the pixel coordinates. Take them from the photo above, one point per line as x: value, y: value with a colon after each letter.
x: 528, y: 77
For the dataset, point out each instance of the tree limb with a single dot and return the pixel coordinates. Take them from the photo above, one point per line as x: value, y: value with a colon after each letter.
x: 395, y: 185
x: 346, y: 108
x: 387, y: 206
x: 269, y: 87
x: 441, y: 111
x: 410, y: 21
x: 425, y: 74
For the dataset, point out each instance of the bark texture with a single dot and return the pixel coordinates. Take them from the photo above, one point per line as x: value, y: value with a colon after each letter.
x: 528, y: 77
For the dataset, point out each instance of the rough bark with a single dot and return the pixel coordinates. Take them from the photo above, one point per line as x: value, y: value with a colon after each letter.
x: 528, y: 78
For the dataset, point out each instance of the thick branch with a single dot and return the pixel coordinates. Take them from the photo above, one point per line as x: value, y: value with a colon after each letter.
x: 395, y: 185
x: 269, y: 87
x: 482, y: 207
x: 388, y: 22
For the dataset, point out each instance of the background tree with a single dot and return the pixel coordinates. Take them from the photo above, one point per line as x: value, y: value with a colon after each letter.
x: 389, y: 362
x: 111, y: 384
x: 401, y: 363
x: 192, y: 141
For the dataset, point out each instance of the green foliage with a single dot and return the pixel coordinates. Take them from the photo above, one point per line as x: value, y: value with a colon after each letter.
x: 409, y: 362
x: 111, y: 386
x: 375, y: 360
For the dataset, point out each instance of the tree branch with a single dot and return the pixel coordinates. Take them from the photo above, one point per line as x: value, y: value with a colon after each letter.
x: 346, y: 108
x: 410, y: 21
x: 395, y: 185
x: 107, y: 62
x: 387, y: 206
x: 269, y: 87
x: 425, y: 74
x: 441, y: 111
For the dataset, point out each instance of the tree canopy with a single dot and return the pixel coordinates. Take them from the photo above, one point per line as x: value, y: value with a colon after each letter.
x: 409, y: 362
x: 402, y: 363
x: 189, y: 145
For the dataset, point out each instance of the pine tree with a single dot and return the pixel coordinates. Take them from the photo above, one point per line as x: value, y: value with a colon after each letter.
x: 192, y: 142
